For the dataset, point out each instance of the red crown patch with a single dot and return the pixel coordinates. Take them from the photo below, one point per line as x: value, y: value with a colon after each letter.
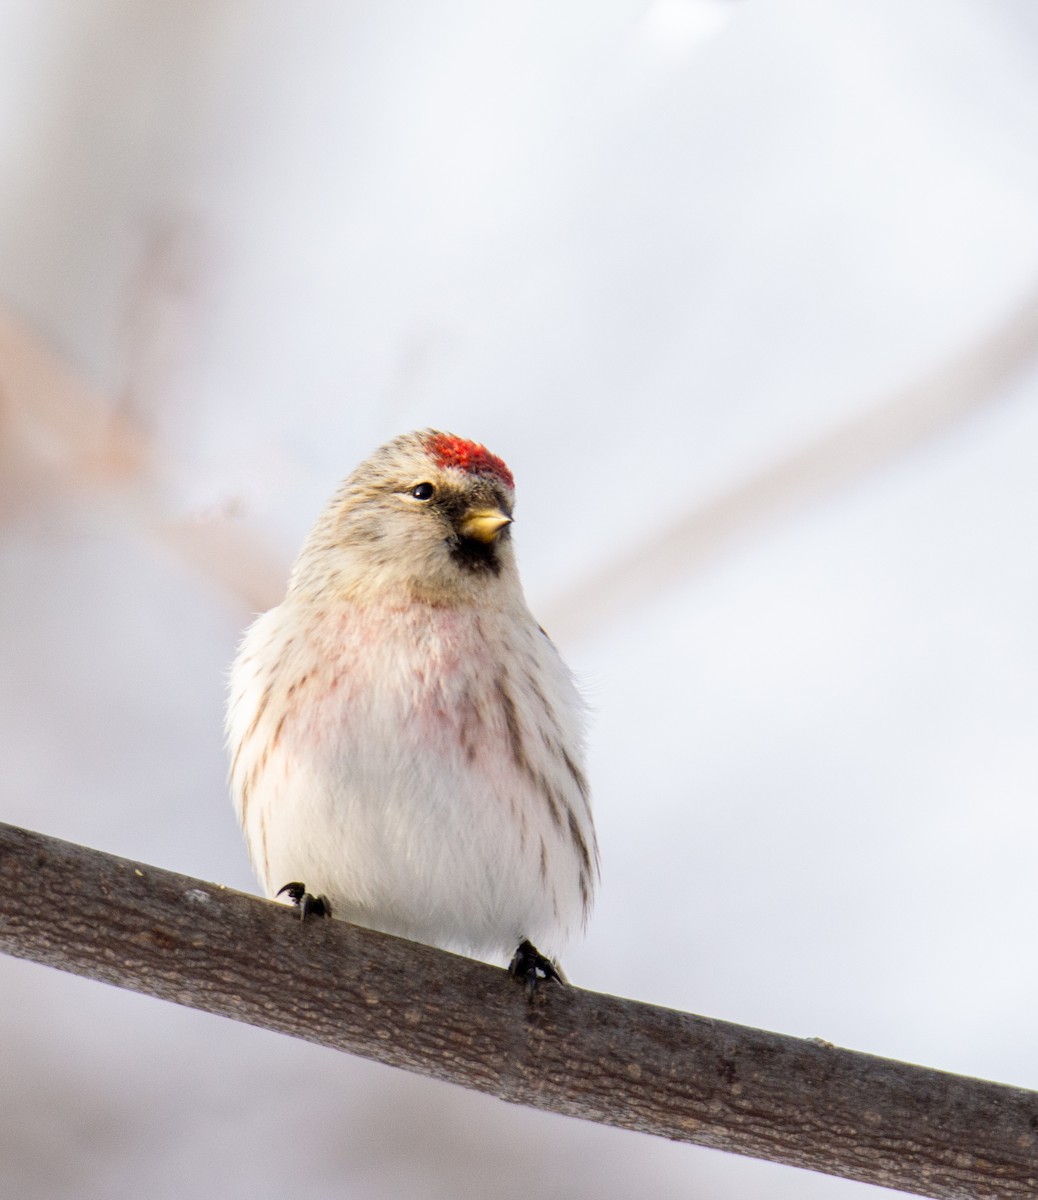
x: 451, y: 451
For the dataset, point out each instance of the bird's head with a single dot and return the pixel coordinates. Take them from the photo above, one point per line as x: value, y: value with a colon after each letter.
x: 426, y: 517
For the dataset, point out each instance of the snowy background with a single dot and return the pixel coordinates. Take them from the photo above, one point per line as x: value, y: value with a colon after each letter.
x: 746, y: 293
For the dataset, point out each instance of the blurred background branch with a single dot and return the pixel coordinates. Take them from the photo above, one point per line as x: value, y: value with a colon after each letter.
x: 66, y: 427
x: 864, y: 443
x: 605, y: 1059
x: 62, y: 435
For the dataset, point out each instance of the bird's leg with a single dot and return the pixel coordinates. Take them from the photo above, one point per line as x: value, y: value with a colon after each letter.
x: 530, y: 966
x: 309, y: 906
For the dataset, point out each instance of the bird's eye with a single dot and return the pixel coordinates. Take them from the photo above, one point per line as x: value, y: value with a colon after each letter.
x: 423, y: 491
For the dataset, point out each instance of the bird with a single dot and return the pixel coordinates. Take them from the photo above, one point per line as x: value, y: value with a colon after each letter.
x: 406, y: 743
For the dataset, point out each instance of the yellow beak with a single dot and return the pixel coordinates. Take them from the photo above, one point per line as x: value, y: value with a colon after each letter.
x: 483, y: 524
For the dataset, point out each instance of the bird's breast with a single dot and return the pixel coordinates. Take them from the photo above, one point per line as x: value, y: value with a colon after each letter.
x: 425, y: 672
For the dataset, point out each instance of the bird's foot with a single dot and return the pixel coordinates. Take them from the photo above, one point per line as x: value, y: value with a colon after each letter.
x: 530, y: 966
x: 309, y: 906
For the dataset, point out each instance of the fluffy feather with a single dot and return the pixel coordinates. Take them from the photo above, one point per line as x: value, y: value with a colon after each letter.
x: 404, y: 737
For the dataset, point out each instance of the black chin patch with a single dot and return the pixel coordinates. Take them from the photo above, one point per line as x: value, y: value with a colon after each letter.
x: 476, y: 556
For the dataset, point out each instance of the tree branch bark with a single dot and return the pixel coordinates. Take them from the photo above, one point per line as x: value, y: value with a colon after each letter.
x: 599, y: 1057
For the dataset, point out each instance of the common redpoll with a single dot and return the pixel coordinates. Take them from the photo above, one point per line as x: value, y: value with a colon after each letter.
x: 406, y: 742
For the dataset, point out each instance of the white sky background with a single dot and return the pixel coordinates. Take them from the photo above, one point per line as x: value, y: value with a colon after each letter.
x: 645, y: 252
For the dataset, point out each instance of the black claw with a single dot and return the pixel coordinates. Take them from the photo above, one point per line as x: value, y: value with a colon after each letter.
x: 530, y: 966
x: 309, y: 906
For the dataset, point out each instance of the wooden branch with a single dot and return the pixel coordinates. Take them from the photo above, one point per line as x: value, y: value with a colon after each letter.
x: 605, y: 1059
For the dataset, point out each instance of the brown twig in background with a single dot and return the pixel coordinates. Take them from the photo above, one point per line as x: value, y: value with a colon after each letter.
x: 599, y: 1057
x: 860, y: 445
